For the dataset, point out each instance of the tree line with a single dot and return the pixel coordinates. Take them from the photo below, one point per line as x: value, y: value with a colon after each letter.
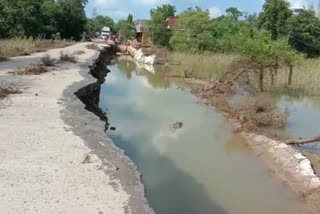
x: 54, y: 19
x: 196, y: 31
x: 277, y: 37
x: 33, y: 18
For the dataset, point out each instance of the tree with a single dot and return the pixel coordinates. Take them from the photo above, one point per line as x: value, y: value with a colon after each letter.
x: 22, y: 17
x: 126, y: 27
x: 252, y: 19
x: 157, y: 26
x: 274, y: 17
x: 166, y: 9
x: 259, y: 53
x: 104, y: 21
x: 130, y: 18
x: 42, y: 18
x: 304, y: 32
x: 72, y: 18
x: 97, y: 23
x: 234, y: 12
x: 193, y: 32
x: 3, y: 23
x: 157, y: 29
x: 49, y: 17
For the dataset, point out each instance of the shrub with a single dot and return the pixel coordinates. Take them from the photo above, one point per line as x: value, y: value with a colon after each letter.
x: 66, y: 57
x: 31, y: 70
x: 48, y: 61
x: 7, y: 89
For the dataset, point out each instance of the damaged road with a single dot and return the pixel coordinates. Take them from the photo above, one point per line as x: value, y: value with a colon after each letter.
x: 54, y: 154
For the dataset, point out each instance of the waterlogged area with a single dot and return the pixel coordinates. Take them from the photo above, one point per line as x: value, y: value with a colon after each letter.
x: 304, y: 117
x: 201, y: 168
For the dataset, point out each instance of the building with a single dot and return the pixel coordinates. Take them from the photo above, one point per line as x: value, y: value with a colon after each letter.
x: 140, y: 27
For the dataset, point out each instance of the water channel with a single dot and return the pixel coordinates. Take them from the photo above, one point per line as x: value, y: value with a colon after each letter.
x: 201, y: 168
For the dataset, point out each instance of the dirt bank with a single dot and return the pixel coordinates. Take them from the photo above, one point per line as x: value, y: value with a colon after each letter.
x: 54, y: 155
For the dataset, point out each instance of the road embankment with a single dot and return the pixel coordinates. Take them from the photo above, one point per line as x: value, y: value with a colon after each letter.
x: 54, y: 154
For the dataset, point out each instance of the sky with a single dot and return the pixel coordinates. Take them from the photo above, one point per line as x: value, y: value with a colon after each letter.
x: 119, y: 9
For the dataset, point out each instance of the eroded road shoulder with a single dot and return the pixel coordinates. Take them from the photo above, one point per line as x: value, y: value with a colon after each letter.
x: 44, y: 166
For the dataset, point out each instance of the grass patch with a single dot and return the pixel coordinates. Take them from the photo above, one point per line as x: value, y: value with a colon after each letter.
x: 202, y: 66
x: 305, y: 79
x: 48, y: 61
x: 92, y: 46
x: 7, y: 89
x: 31, y: 70
x: 26, y: 46
x: 66, y: 57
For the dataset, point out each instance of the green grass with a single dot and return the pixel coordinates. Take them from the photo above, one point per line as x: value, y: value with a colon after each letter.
x: 305, y: 79
x: 24, y: 46
x: 202, y: 66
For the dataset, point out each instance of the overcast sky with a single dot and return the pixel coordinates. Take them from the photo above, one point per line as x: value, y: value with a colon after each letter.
x: 118, y: 9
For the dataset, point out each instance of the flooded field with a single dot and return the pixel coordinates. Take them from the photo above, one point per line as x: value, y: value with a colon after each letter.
x: 303, y: 119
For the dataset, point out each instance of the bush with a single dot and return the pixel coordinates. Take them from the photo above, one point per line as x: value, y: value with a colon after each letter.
x: 7, y: 89
x: 48, y: 61
x: 31, y: 70
x: 66, y: 57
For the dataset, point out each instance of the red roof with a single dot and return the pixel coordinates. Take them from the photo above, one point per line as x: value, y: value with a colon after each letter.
x: 171, y: 21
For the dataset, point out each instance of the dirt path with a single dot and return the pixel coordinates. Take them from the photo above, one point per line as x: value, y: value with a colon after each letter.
x: 44, y: 166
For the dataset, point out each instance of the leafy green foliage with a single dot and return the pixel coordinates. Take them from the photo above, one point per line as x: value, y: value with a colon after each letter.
x: 193, y: 32
x: 274, y: 17
x: 130, y: 18
x: 49, y: 13
x: 42, y: 17
x: 72, y: 18
x: 157, y: 26
x: 22, y: 17
x: 125, y: 28
x: 97, y: 23
x: 304, y: 32
x: 234, y: 12
x: 166, y: 9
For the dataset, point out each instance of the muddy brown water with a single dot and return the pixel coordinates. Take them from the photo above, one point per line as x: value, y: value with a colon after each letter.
x: 303, y: 119
x: 201, y: 168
